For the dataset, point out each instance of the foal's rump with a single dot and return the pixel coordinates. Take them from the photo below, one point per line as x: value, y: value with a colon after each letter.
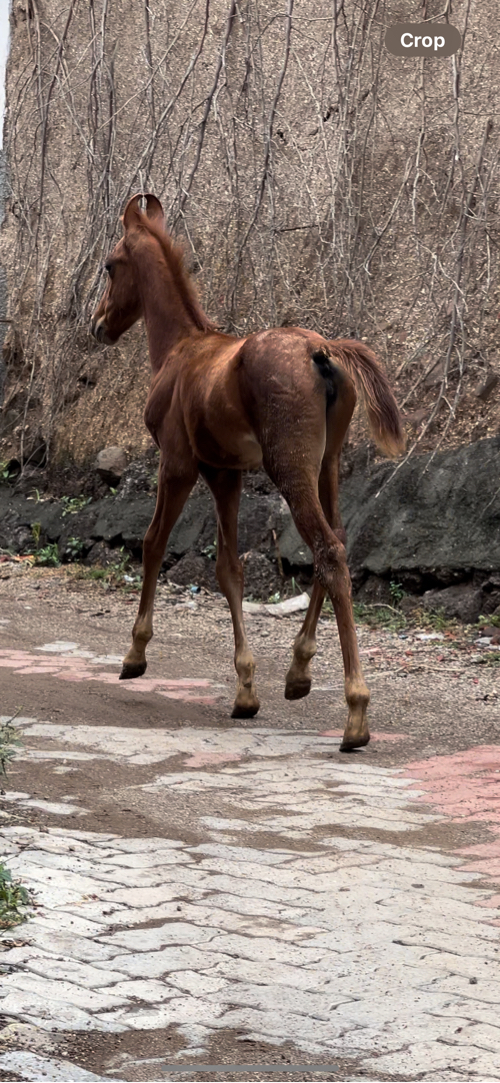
x: 293, y: 382
x: 289, y: 384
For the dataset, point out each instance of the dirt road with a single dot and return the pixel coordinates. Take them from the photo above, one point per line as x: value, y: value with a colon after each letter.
x: 218, y: 893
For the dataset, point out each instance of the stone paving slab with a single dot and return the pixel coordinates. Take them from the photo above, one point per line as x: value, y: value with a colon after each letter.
x: 33, y: 1067
x: 378, y: 949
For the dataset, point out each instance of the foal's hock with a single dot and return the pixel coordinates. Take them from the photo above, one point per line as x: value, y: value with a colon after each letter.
x: 218, y: 405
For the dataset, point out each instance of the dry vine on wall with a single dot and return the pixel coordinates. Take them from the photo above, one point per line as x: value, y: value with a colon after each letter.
x: 312, y: 177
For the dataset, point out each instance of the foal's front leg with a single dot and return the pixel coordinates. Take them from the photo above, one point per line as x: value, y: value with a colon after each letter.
x: 226, y: 489
x: 172, y: 495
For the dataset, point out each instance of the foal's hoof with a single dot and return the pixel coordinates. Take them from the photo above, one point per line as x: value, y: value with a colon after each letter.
x: 350, y: 744
x: 132, y: 669
x: 297, y: 689
x: 246, y: 709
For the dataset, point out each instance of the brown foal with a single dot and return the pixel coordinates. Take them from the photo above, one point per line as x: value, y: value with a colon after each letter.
x: 218, y: 405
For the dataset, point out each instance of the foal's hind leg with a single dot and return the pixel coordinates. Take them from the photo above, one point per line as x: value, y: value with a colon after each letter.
x: 298, y: 678
x: 226, y: 488
x: 172, y: 495
x: 330, y: 566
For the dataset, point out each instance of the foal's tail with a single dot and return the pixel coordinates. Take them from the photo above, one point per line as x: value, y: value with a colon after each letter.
x: 384, y: 417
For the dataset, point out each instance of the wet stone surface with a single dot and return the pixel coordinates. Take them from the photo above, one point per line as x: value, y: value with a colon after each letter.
x: 208, y: 893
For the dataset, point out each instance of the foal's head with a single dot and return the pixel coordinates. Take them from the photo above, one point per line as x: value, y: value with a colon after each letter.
x: 120, y: 305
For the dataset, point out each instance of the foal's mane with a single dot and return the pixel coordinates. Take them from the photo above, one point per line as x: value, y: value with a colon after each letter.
x: 174, y: 258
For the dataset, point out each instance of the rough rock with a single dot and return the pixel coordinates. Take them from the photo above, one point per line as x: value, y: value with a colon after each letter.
x: 123, y: 522
x: 292, y: 547
x: 462, y: 602
x: 440, y: 518
x: 408, y: 604
x: 100, y: 555
x: 15, y: 536
x: 261, y: 576
x: 193, y: 569
x: 111, y: 463
x: 375, y: 591
x: 136, y: 478
x: 196, y: 528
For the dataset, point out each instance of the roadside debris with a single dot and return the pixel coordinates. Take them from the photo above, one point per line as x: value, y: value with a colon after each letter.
x: 279, y: 609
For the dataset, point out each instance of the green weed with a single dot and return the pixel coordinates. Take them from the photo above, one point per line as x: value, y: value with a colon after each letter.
x: 12, y: 894
x: 436, y: 619
x: 493, y: 621
x: 379, y: 615
x: 9, y: 742
x: 397, y: 593
x: 210, y: 550
x: 120, y: 574
x: 273, y: 598
x: 48, y: 555
x: 72, y: 504
x: 12, y: 897
x: 74, y: 548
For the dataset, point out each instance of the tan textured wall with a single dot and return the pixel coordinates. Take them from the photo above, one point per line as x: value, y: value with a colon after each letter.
x: 314, y: 179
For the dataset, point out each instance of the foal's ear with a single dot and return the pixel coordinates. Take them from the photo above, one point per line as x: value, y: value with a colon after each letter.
x: 154, y: 209
x: 133, y: 211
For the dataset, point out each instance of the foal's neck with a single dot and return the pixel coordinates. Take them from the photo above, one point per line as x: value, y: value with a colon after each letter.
x: 165, y: 318
x: 165, y: 314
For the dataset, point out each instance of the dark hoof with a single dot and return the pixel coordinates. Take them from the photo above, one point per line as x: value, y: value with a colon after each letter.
x: 297, y: 689
x: 351, y: 746
x: 245, y: 710
x: 131, y: 670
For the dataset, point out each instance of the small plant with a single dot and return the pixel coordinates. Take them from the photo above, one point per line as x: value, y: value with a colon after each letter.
x: 74, y: 548
x: 72, y: 504
x: 4, y: 470
x: 379, y: 615
x: 210, y: 550
x: 12, y: 894
x: 489, y: 658
x: 48, y: 555
x: 493, y: 621
x: 93, y: 573
x: 397, y: 593
x: 12, y: 897
x: 119, y: 574
x: 436, y: 619
x: 9, y: 741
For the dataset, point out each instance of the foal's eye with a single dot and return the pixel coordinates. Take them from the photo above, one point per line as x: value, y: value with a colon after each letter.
x: 110, y: 268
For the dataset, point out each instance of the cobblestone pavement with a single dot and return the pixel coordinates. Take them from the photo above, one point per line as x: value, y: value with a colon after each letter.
x: 293, y: 906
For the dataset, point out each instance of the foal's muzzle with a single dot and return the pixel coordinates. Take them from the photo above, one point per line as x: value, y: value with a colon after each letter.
x: 98, y: 330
